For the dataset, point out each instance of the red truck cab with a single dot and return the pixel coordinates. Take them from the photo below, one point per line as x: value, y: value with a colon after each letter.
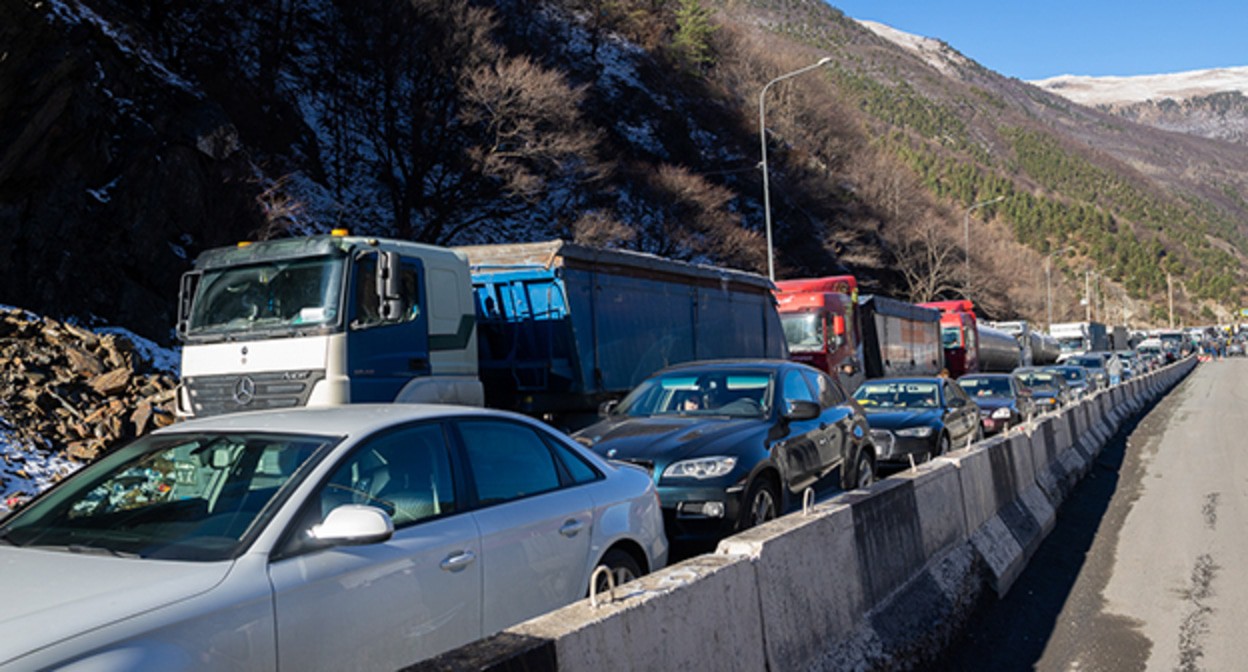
x: 959, y: 335
x: 818, y: 318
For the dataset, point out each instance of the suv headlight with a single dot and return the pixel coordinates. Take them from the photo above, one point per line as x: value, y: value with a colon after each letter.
x: 1001, y: 414
x: 701, y: 468
x: 916, y: 432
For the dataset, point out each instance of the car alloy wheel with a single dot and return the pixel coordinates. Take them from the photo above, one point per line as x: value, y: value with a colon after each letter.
x: 762, y: 504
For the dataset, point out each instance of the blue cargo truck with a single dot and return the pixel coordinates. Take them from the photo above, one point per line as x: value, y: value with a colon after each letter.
x: 564, y: 327
x: 549, y: 329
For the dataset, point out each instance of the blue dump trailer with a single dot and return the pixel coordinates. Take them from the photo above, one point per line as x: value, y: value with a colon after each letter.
x: 564, y: 327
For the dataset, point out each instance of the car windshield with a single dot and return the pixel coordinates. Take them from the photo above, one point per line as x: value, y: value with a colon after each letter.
x: 987, y: 387
x: 273, y: 295
x: 1040, y: 381
x: 194, y: 496
x: 746, y: 394
x: 1072, y: 374
x: 803, y: 331
x: 1070, y: 344
x: 898, y: 395
x: 1087, y: 362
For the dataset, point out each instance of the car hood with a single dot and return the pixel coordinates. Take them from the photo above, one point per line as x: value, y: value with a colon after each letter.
x: 50, y: 596
x: 900, y: 419
x: 667, y: 439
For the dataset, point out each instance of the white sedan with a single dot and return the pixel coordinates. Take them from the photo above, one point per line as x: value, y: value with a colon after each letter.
x: 360, y: 537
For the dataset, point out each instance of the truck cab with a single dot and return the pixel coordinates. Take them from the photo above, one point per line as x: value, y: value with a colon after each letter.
x: 959, y: 334
x: 820, y: 325
x: 326, y: 320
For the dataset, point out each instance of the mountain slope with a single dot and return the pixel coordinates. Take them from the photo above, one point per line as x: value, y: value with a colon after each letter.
x: 131, y: 137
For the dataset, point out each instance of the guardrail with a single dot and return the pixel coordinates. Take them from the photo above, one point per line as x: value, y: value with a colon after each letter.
x: 876, y: 578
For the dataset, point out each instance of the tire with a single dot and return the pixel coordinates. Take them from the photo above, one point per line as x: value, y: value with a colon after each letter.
x: 944, y: 445
x: 864, y: 471
x: 761, y: 504
x: 622, y: 566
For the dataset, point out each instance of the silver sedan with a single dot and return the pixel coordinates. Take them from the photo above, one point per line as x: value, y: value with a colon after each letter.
x: 362, y: 537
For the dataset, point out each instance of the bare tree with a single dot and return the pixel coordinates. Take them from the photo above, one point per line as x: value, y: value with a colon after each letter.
x: 930, y: 262
x: 528, y: 125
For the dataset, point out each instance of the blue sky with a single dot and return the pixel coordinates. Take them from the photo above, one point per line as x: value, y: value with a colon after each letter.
x: 1034, y: 40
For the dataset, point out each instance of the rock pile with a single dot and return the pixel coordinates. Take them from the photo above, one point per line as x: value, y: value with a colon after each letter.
x: 68, y: 390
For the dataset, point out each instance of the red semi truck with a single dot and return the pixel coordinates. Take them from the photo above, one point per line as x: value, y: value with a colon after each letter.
x: 829, y: 327
x: 971, y: 347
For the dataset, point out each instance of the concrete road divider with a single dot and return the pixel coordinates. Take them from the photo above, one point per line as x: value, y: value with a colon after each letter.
x: 881, y: 578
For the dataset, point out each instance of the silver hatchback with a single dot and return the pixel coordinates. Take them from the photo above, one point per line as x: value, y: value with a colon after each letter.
x: 361, y: 537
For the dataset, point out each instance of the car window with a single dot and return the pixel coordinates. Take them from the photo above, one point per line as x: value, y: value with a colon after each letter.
x: 830, y: 393
x: 406, y: 473
x: 579, y: 469
x: 508, y: 460
x: 795, y: 387
x: 952, y: 391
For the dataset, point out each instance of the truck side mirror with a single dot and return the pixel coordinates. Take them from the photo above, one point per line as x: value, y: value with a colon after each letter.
x: 186, y: 298
x: 838, y: 325
x: 389, y: 285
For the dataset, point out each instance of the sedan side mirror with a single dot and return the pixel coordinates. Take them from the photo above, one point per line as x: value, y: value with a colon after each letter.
x: 606, y: 408
x: 354, y: 525
x: 801, y: 410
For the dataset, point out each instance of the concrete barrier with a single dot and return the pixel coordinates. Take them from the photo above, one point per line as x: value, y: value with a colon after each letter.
x: 695, y: 615
x: 880, y: 578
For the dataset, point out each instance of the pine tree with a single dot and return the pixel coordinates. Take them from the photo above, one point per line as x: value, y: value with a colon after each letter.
x: 692, y: 42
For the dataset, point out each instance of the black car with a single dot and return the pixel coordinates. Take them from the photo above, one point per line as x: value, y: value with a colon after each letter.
x: 918, y: 417
x: 1077, y: 379
x: 731, y: 444
x: 1097, y: 364
x: 1003, y: 400
x: 1049, y: 390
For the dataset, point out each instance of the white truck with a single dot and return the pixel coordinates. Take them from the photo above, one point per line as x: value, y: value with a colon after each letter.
x: 1076, y: 338
x: 326, y: 320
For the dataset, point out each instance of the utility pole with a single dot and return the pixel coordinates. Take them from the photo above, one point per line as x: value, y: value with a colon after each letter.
x: 762, y: 141
x: 1170, y: 290
x: 1087, y: 296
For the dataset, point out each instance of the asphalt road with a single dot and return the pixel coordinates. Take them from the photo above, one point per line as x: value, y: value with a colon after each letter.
x: 1147, y: 568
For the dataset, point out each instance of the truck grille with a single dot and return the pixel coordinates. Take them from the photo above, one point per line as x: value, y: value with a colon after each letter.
x: 215, y: 395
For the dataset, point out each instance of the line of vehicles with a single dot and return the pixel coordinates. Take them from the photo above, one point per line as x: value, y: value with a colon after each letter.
x: 694, y: 402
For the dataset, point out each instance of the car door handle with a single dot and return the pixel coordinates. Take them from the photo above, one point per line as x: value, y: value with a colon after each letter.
x: 458, y: 561
x: 571, y: 528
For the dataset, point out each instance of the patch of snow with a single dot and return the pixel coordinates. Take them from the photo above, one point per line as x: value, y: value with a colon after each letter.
x: 26, y: 470
x: 936, y: 53
x: 76, y: 13
x: 642, y: 135
x: 167, y: 360
x: 101, y: 194
x: 1137, y: 89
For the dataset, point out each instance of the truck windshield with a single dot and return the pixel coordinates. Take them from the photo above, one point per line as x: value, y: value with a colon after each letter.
x: 803, y: 332
x: 268, y: 296
x: 951, y: 337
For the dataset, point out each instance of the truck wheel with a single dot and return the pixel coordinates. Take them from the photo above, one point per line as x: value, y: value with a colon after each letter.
x: 762, y: 503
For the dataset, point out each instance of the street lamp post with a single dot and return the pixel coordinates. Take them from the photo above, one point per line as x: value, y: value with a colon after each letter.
x: 1048, y: 285
x: 966, y: 227
x: 762, y: 139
